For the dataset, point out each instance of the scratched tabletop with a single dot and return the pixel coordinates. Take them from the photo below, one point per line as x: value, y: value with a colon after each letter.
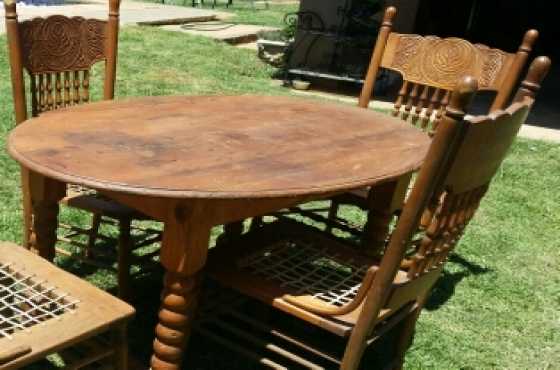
x: 218, y: 146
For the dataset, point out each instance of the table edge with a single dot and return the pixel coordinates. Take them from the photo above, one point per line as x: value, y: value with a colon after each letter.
x: 197, y: 194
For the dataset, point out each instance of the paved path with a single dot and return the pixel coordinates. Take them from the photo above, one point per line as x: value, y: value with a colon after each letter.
x: 131, y: 12
x: 221, y: 31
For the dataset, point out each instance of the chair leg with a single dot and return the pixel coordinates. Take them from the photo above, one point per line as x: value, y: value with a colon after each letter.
x: 232, y: 231
x: 27, y: 210
x: 333, y: 213
x: 93, y: 233
x: 256, y: 222
x: 352, y: 359
x: 27, y: 222
x: 405, y: 338
x: 123, y: 263
x: 120, y: 342
x: 353, y: 354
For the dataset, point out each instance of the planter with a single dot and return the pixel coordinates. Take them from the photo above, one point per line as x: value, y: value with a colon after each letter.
x: 272, y: 52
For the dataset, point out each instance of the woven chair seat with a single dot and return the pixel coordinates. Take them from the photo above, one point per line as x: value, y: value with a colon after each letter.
x: 44, y: 310
x: 287, y: 258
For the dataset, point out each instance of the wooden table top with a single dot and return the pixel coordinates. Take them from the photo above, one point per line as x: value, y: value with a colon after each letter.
x: 218, y: 147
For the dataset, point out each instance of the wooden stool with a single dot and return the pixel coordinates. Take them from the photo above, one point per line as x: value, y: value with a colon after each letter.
x: 45, y: 310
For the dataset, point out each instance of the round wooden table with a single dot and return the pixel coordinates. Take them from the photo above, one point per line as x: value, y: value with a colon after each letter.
x: 196, y: 162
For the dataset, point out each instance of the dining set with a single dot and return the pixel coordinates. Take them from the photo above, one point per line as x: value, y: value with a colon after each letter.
x: 191, y: 163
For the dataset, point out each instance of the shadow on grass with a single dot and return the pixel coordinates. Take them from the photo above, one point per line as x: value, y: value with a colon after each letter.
x: 445, y: 286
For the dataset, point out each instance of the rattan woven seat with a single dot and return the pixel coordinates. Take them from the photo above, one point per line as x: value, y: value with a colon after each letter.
x: 295, y: 262
x: 45, y: 310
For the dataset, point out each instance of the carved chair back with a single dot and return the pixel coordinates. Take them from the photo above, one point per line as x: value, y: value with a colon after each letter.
x: 431, y: 66
x: 58, y: 53
x: 465, y: 154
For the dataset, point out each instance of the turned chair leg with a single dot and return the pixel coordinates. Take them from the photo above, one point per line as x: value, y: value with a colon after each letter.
x: 256, y: 222
x: 120, y: 342
x: 27, y: 221
x: 124, y: 250
x: 404, y: 341
x: 27, y: 210
x: 405, y: 337
x: 93, y: 234
x: 332, y: 215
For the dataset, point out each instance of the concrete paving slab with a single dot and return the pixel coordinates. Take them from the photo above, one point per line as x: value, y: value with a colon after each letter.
x: 540, y: 133
x: 222, y: 31
x: 131, y: 12
x: 249, y: 45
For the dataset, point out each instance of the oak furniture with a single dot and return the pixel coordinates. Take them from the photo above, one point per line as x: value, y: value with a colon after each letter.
x: 344, y: 291
x: 58, y: 53
x: 196, y: 162
x: 430, y: 67
x: 45, y: 310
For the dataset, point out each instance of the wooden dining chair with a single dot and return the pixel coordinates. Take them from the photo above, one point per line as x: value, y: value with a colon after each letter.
x: 45, y: 310
x: 343, y: 291
x: 58, y: 54
x: 430, y: 67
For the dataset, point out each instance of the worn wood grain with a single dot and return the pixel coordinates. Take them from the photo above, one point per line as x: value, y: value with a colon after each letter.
x: 218, y: 147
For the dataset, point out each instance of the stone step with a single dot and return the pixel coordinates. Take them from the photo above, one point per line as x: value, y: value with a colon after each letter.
x: 222, y: 31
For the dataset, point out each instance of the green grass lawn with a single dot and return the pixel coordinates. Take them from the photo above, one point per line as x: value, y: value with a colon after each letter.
x: 497, y: 305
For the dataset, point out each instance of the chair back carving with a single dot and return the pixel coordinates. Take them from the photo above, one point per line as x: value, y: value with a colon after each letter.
x: 484, y: 145
x: 58, y: 52
x: 431, y: 66
x: 465, y: 154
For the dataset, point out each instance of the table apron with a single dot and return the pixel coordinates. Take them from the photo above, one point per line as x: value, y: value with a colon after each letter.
x: 214, y: 211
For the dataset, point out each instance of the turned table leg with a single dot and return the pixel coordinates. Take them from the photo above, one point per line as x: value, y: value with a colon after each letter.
x: 45, y: 195
x: 183, y: 254
x: 178, y: 305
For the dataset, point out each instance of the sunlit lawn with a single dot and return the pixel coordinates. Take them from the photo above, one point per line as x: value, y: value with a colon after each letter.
x: 497, y: 305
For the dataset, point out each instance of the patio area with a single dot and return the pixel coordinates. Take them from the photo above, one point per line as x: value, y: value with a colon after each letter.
x: 496, y: 304
x: 132, y: 12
